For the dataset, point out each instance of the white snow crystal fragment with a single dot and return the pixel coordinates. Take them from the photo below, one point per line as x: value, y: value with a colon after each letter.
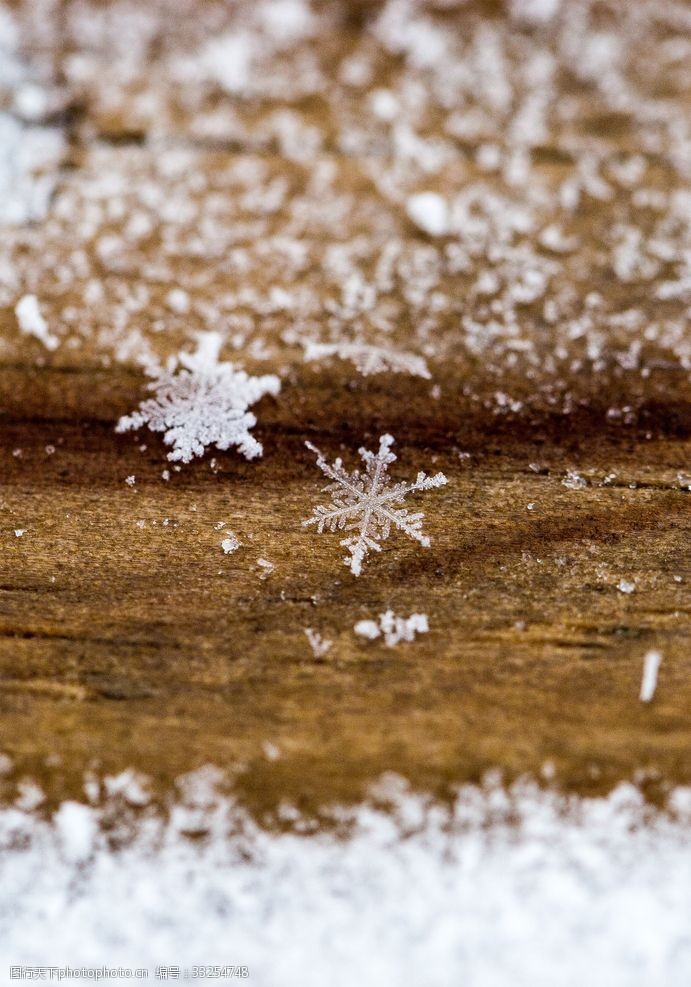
x: 384, y: 105
x: 271, y: 751
x: 651, y: 665
x: 553, y: 238
x: 200, y: 401
x: 178, y: 301
x: 320, y: 646
x: 369, y: 359
x: 365, y: 503
x: 129, y: 785
x: 32, y: 323
x: 625, y: 586
x: 29, y: 160
x: 395, y: 629
x: 534, y: 11
x: 130, y: 480
x: 430, y: 213
x: 18, y: 532
x: 75, y: 825
x: 368, y: 629
x: 266, y: 566
x: 30, y: 796
x: 574, y: 481
x: 228, y: 60
x: 230, y: 544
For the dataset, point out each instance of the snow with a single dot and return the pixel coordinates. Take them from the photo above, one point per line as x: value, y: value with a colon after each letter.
x: 395, y: 629
x: 32, y: 323
x: 230, y: 544
x: 369, y: 359
x: 200, y: 401
x: 75, y: 826
x: 517, y: 887
x: 430, y: 213
x: 320, y: 646
x: 365, y: 503
x: 651, y: 665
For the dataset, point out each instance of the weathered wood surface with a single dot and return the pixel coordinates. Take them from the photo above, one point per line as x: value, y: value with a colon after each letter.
x: 128, y: 638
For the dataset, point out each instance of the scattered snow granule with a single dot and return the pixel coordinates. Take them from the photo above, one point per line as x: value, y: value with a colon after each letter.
x: 271, y: 751
x: 395, y: 629
x: 488, y: 157
x: 230, y: 544
x: 130, y: 480
x: 30, y: 796
x: 130, y: 785
x: 76, y: 829
x: 165, y: 475
x: 651, y: 665
x: 625, y: 586
x: 320, y: 646
x: 384, y: 105
x: 531, y: 506
x: 49, y: 450
x: 574, y: 481
x: 178, y: 301
x: 430, y: 213
x: 18, y: 532
x: 32, y: 323
x: 368, y: 629
x: 266, y: 566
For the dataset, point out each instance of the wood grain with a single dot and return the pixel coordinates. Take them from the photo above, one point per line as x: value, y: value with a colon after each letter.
x: 129, y: 639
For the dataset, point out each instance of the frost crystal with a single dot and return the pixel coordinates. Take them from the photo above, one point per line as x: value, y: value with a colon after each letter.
x: 200, y: 401
x: 320, y: 646
x: 429, y: 212
x: 370, y: 359
x: 32, y: 323
x: 394, y: 629
x: 266, y: 567
x: 365, y: 503
x: 574, y: 481
x: 231, y: 544
x: 651, y: 666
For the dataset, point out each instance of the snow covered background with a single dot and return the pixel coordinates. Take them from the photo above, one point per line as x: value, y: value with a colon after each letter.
x: 515, y: 887
x: 435, y: 208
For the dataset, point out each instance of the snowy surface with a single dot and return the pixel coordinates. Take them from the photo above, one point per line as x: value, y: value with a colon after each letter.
x: 517, y: 888
x: 200, y: 401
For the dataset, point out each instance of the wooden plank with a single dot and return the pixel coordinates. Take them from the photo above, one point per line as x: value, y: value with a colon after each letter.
x: 129, y: 639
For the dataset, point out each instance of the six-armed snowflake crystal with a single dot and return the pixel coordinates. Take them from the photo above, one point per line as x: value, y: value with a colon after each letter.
x: 200, y: 401
x: 366, y: 503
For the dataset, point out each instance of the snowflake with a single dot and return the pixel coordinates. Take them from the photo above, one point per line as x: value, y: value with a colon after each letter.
x: 370, y: 359
x: 200, y: 401
x: 365, y: 503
